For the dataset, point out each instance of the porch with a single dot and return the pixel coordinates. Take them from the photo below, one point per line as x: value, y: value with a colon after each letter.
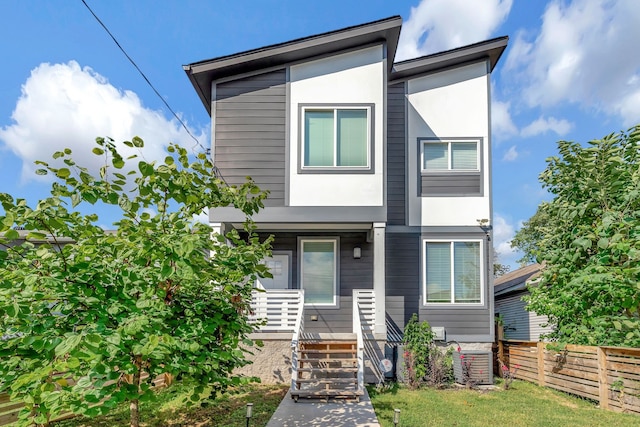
x: 317, y: 364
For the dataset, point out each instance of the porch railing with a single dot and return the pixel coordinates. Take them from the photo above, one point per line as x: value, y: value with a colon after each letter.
x: 277, y: 310
x: 295, y: 341
x: 280, y: 311
x: 363, y: 323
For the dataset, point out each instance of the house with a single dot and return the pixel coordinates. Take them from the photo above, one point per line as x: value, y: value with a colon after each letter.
x: 518, y: 323
x: 379, y: 175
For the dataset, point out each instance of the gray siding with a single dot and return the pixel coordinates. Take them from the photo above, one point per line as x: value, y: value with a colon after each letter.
x: 250, y: 128
x: 396, y: 154
x: 460, y: 320
x: 354, y: 274
x: 519, y: 324
x: 402, y: 276
x: 403, y: 290
x: 451, y: 184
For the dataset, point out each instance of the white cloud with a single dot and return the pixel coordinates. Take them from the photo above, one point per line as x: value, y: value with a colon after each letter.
x: 202, y: 217
x: 66, y: 106
x: 436, y: 25
x: 502, y: 126
x: 584, y: 53
x: 543, y: 125
x: 503, y: 232
x: 511, y: 154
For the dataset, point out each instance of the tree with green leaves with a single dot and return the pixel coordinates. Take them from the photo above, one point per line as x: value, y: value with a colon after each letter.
x: 532, y: 231
x: 588, y: 235
x: 82, y: 322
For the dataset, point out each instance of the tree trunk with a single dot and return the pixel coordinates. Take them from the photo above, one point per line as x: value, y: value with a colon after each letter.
x: 134, y: 414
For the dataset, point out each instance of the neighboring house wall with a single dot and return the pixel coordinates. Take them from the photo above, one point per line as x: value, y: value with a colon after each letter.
x: 249, y: 122
x: 520, y: 324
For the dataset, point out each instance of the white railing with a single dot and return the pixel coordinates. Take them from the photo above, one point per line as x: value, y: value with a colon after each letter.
x: 295, y: 339
x: 364, y: 302
x: 277, y: 310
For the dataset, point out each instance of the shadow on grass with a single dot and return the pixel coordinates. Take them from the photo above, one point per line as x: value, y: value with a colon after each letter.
x: 170, y: 409
x: 390, y: 387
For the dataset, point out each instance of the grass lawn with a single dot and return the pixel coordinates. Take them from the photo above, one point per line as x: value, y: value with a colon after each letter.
x: 169, y: 409
x: 525, y: 404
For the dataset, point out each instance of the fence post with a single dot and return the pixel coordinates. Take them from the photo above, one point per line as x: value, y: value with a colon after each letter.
x: 602, y: 378
x: 541, y: 347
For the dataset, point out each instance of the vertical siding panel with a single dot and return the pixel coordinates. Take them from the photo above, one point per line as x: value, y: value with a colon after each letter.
x: 535, y: 326
x: 396, y: 154
x: 520, y: 324
x: 515, y: 318
x: 402, y: 276
x: 250, y: 129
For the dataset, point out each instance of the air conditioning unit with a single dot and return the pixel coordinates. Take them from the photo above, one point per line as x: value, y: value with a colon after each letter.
x: 473, y: 367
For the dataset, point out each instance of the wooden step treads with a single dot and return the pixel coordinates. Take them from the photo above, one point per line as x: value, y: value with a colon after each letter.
x: 327, y: 369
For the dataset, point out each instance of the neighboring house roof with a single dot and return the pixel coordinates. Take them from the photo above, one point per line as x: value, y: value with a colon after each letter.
x: 516, y: 280
x: 48, y: 239
x: 387, y: 30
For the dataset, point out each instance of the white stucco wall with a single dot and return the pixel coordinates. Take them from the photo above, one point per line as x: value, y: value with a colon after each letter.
x: 450, y: 104
x: 348, y: 78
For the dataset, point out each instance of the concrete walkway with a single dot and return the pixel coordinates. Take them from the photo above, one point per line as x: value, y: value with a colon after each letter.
x: 314, y: 412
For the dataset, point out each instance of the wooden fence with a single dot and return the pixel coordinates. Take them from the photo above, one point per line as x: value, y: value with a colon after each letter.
x: 9, y: 410
x: 608, y: 375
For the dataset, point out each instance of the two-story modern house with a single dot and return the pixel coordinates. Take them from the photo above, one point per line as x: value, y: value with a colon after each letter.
x: 379, y: 175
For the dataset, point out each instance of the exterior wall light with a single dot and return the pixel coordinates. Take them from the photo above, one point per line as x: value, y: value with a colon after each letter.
x: 357, y: 252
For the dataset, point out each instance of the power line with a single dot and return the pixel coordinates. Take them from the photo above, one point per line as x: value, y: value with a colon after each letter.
x: 144, y: 77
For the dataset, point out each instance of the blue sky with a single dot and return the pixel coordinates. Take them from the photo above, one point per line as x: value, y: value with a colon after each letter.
x: 571, y: 71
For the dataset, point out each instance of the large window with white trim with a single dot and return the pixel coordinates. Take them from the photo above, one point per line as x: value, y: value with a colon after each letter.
x: 450, y: 156
x: 319, y: 270
x: 338, y: 138
x: 453, y: 272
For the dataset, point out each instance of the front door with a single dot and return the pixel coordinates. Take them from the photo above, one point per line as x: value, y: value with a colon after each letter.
x: 280, y: 267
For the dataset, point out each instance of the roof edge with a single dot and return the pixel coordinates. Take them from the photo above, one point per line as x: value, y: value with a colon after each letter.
x: 491, y: 50
x: 202, y: 73
x: 393, y: 21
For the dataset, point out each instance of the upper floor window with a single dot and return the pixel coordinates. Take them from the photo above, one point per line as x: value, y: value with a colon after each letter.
x: 336, y: 138
x: 450, y: 156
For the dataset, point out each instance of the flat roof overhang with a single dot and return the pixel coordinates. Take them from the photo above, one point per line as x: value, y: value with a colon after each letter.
x: 490, y: 50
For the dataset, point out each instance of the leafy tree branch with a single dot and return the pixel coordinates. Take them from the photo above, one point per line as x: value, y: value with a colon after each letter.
x: 160, y: 294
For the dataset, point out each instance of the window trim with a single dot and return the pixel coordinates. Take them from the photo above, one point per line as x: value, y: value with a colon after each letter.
x: 452, y: 303
x: 369, y: 169
x: 336, y: 271
x: 449, y: 141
